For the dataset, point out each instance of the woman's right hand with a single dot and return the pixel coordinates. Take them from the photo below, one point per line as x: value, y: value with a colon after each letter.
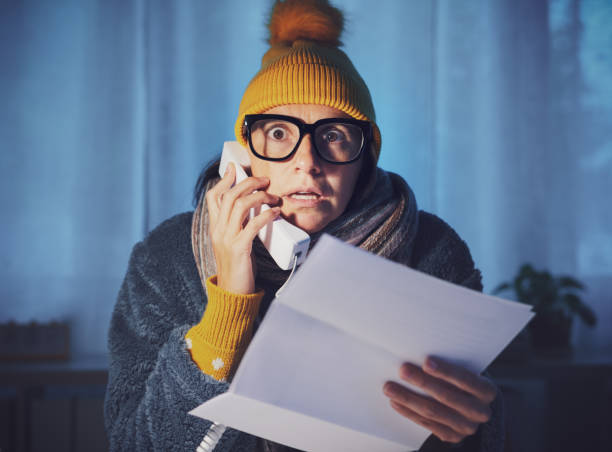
x: 232, y: 232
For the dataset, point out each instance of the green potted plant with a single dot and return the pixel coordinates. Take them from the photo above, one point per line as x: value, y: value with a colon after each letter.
x: 555, y: 300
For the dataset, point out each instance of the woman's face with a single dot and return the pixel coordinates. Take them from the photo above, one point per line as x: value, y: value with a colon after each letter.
x: 313, y: 192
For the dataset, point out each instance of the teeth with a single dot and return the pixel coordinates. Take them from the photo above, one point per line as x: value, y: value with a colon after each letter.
x: 304, y: 196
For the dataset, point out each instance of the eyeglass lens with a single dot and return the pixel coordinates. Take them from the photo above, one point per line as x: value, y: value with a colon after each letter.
x: 276, y: 138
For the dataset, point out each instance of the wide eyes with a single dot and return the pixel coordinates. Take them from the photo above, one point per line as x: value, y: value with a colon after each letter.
x: 333, y: 136
x: 277, y: 137
x: 278, y: 132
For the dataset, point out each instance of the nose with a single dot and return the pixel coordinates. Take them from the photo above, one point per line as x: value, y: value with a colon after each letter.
x: 306, y: 158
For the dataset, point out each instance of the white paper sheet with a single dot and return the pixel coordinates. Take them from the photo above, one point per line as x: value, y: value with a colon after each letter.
x: 312, y: 376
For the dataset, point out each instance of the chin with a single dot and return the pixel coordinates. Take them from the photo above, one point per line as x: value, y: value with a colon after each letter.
x: 308, y: 223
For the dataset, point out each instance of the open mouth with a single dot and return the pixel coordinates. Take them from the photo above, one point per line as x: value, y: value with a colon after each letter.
x: 304, y: 195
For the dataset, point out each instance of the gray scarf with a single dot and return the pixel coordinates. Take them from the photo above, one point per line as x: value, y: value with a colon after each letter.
x: 383, y: 221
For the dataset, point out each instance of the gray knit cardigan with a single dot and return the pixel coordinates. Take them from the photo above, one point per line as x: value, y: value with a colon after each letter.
x: 153, y: 382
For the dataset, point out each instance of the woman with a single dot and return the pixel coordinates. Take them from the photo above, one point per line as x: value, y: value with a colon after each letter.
x: 199, y: 284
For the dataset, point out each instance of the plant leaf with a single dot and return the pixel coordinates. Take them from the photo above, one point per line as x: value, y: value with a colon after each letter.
x: 568, y: 281
x: 522, y: 282
x: 576, y: 305
x: 501, y: 288
x: 587, y: 315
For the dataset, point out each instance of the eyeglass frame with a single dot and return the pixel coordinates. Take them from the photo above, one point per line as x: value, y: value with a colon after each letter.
x: 306, y: 128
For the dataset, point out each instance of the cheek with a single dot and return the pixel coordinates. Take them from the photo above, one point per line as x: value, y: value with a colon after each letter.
x: 344, y: 183
x: 259, y: 168
x: 271, y: 170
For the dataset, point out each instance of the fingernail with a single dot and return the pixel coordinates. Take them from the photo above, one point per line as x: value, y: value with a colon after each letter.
x: 406, y: 371
x: 431, y: 364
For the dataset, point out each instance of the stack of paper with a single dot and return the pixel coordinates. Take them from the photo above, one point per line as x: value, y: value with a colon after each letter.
x: 312, y: 376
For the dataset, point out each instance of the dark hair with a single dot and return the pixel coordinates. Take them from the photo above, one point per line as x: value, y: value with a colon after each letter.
x: 364, y: 184
x: 210, y: 171
x: 366, y: 179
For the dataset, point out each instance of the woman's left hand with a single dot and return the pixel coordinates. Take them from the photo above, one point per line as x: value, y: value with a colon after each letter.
x: 457, y: 400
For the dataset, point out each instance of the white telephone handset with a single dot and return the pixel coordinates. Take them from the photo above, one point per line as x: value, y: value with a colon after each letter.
x: 284, y: 241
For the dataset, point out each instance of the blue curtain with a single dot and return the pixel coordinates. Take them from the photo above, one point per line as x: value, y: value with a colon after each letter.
x: 498, y: 114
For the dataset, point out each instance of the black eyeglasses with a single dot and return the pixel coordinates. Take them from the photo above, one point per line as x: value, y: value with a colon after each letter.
x: 277, y: 137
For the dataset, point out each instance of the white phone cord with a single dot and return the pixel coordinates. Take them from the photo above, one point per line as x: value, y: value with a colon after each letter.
x: 213, y: 435
x: 295, y: 259
x: 215, y: 431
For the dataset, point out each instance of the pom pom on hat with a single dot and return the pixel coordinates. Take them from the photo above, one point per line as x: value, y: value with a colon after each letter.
x: 310, y: 20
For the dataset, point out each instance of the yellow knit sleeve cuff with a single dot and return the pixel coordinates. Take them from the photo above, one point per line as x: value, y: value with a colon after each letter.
x: 218, y: 342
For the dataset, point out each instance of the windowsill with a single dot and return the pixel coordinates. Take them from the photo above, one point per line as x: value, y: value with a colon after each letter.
x: 556, y: 363
x: 87, y: 369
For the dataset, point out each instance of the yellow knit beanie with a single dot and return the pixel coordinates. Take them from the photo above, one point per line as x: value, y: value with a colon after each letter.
x: 305, y: 66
